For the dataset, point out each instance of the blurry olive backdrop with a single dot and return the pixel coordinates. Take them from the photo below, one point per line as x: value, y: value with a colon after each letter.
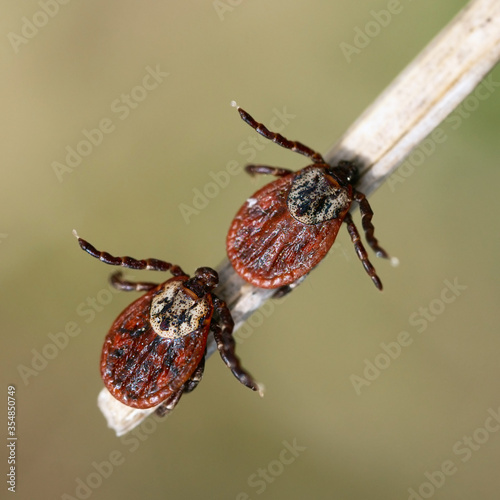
x: 141, y: 92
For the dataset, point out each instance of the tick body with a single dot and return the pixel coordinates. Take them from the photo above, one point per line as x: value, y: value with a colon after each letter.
x: 155, y: 349
x: 286, y: 228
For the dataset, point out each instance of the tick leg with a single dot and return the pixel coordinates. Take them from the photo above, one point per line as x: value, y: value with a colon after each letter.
x: 195, y: 379
x: 282, y: 291
x: 360, y: 250
x: 294, y: 146
x: 366, y: 220
x: 286, y: 289
x: 130, y: 286
x: 167, y: 406
x: 130, y: 262
x: 223, y: 334
x: 264, y: 169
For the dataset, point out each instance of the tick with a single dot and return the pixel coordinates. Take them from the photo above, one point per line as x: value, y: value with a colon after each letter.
x: 284, y: 230
x: 155, y: 349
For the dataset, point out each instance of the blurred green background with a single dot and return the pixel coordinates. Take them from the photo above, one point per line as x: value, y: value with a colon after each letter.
x: 433, y: 404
